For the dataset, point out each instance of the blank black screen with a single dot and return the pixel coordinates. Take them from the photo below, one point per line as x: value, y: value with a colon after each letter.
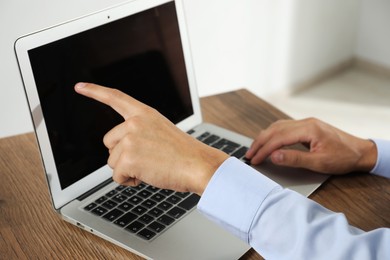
x: 140, y: 54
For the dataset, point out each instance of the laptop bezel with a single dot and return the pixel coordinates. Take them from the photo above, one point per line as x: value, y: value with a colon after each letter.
x: 60, y: 196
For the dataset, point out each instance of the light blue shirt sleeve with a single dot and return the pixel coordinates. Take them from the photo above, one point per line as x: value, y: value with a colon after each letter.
x: 282, y: 224
x: 382, y: 166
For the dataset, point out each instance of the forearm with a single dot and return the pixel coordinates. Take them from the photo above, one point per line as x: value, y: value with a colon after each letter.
x: 281, y: 224
x: 290, y: 226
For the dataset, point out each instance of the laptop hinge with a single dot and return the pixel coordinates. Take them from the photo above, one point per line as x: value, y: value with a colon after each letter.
x: 93, y: 190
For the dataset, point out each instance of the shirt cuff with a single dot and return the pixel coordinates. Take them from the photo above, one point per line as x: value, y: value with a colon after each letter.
x: 234, y: 195
x: 382, y: 166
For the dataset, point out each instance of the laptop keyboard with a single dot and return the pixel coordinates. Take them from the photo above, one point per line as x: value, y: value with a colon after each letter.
x: 225, y: 145
x: 146, y: 210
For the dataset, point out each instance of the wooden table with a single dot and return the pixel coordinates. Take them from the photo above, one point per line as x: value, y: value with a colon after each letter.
x: 30, y: 228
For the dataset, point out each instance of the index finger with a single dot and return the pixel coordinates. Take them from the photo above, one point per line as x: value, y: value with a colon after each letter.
x: 116, y: 99
x: 277, y: 136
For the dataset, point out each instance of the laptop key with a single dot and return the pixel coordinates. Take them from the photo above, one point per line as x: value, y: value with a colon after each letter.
x: 139, y: 187
x: 156, y: 212
x: 157, y: 227
x: 158, y: 197
x: 229, y: 149
x: 173, y: 199
x: 119, y: 198
x: 164, y: 205
x: 90, y: 206
x: 211, y: 139
x: 189, y: 202
x: 182, y: 194
x: 218, y: 145
x: 228, y: 143
x: 125, y: 219
x: 176, y: 212
x: 139, y: 210
x: 135, y: 226
x: 203, y: 136
x: 149, y: 204
x: 99, y: 211
x: 135, y: 200
x: 146, y: 219
x: 146, y: 234
x: 166, y: 192
x: 113, y: 214
x: 144, y: 194
x: 129, y: 191
x: 125, y: 206
x: 240, y: 152
x: 111, y: 193
x: 166, y: 220
x: 109, y: 204
x: 152, y: 189
x: 120, y: 188
x: 101, y: 199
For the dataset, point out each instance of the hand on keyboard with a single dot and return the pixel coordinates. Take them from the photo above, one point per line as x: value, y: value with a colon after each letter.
x: 331, y: 150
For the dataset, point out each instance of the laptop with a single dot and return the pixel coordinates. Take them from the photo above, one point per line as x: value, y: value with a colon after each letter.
x: 142, y: 48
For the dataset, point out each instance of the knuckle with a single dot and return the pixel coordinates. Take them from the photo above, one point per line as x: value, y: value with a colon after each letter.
x: 293, y: 160
x: 113, y: 96
x: 147, y: 111
x: 279, y: 125
x: 111, y: 162
x: 311, y: 120
x: 129, y: 123
x: 114, y: 93
x: 107, y: 141
x: 312, y: 124
x: 129, y: 145
x: 133, y: 127
x: 117, y: 177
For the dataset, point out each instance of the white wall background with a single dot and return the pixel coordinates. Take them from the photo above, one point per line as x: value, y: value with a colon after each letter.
x: 265, y: 46
x: 323, y: 35
x: 374, y: 31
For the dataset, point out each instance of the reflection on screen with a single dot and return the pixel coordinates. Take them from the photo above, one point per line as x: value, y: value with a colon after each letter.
x: 140, y: 55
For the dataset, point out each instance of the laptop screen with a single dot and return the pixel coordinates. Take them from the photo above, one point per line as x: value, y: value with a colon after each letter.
x: 140, y: 54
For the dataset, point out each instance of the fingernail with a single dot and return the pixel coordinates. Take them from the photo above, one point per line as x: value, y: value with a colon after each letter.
x: 80, y: 85
x: 278, y: 157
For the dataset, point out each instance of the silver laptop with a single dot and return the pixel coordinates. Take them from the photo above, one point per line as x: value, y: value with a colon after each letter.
x: 142, y: 48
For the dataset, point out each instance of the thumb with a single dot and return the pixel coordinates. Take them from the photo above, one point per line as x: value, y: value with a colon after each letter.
x: 291, y: 158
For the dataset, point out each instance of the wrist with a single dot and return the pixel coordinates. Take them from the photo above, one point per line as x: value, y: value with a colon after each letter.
x: 210, y: 159
x: 368, y: 158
